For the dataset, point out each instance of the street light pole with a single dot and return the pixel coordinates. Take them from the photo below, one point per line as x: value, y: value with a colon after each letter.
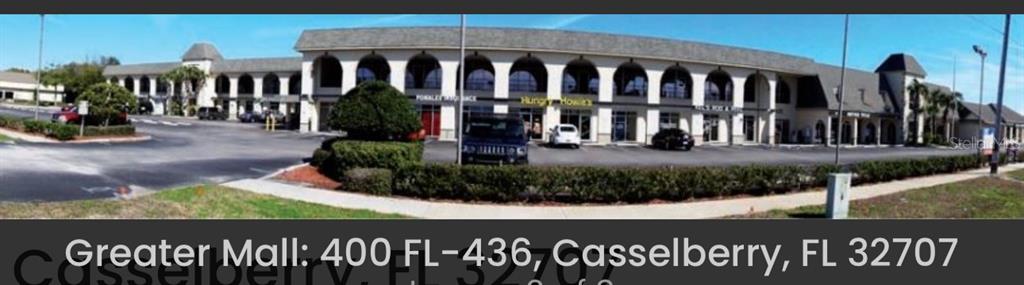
x: 39, y: 64
x: 981, y: 93
x: 842, y: 86
x: 462, y: 86
x: 994, y: 163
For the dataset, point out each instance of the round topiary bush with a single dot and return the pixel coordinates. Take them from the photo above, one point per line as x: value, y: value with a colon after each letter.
x: 108, y: 104
x: 375, y: 111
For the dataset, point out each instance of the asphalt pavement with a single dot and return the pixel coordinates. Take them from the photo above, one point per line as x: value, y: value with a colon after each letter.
x: 186, y: 152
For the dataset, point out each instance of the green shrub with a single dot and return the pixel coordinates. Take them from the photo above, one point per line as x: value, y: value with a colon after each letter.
x: 107, y: 102
x: 120, y: 130
x: 11, y: 122
x: 347, y: 154
x: 34, y: 126
x: 62, y: 132
x: 375, y: 111
x: 376, y: 181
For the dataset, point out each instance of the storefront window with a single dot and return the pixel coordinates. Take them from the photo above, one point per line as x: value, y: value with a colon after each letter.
x: 580, y: 119
x: 668, y: 121
x: 623, y: 126
x: 748, y: 127
x: 533, y: 121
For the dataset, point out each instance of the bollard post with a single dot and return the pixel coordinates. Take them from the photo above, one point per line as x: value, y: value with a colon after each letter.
x: 838, y: 201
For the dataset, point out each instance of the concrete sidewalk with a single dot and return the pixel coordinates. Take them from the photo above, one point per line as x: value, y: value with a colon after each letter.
x: 682, y: 210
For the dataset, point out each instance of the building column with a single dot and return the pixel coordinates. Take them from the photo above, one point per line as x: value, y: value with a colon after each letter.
x: 653, y: 99
x: 878, y: 131
x: 257, y: 94
x: 855, y: 131
x: 449, y: 88
x: 736, y: 135
x: 553, y: 114
x: 233, y: 95
x: 604, y: 94
x: 348, y: 74
x: 502, y: 68
x: 604, y: 125
x: 284, y: 81
x: 653, y: 123
x: 828, y: 131
x: 307, y: 110
x: 696, y: 117
x: 770, y: 136
x: 135, y: 87
x: 397, y: 79
x: 920, y: 128
x: 152, y: 87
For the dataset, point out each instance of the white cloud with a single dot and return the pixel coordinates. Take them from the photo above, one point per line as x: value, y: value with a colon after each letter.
x: 562, y: 21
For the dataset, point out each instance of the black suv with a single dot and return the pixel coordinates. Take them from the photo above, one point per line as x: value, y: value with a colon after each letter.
x: 211, y: 113
x: 672, y: 139
x: 495, y: 139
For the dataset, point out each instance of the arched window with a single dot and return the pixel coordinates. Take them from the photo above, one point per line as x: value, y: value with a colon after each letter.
x: 222, y: 85
x: 528, y: 75
x: 144, y: 85
x: 580, y: 77
x: 295, y: 84
x: 676, y: 83
x: 271, y: 84
x: 630, y: 80
x: 479, y: 73
x: 329, y: 71
x: 245, y: 84
x: 129, y: 83
x: 718, y: 86
x: 373, y: 67
x: 423, y: 72
x: 782, y: 95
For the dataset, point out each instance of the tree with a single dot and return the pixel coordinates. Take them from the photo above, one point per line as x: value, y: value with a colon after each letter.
x: 18, y: 70
x: 191, y: 78
x: 107, y: 102
x: 916, y: 90
x: 375, y: 110
x: 75, y: 77
x: 933, y: 103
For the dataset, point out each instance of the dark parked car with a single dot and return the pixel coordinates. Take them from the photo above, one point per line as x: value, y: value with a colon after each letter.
x: 495, y: 139
x: 672, y: 139
x: 69, y: 115
x: 248, y: 117
x: 211, y: 113
x: 261, y: 117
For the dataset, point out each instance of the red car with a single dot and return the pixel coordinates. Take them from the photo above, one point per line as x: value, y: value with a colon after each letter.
x: 69, y: 115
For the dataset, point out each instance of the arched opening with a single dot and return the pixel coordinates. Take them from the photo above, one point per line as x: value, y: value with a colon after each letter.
x: 329, y: 71
x: 889, y: 133
x: 782, y: 93
x: 222, y: 85
x: 847, y: 132
x: 718, y: 86
x: 676, y: 83
x: 245, y: 84
x: 271, y: 84
x: 423, y: 72
x: 161, y: 86
x: 144, y: 85
x: 870, y: 134
x: 295, y: 84
x: 755, y: 89
x: 373, y: 67
x: 113, y: 80
x: 129, y: 83
x: 819, y: 132
x: 479, y: 73
x: 630, y: 79
x: 580, y: 77
x: 528, y: 74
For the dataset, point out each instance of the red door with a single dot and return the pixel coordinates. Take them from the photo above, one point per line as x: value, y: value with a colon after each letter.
x: 430, y: 116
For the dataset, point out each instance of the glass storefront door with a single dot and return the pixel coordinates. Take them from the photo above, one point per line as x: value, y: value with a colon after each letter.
x: 580, y: 119
x: 533, y: 120
x: 623, y: 126
x: 711, y: 128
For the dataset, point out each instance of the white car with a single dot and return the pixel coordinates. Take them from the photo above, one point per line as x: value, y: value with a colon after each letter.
x: 564, y: 134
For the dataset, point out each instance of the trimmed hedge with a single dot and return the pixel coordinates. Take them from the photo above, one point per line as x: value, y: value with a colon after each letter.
x: 337, y: 156
x: 118, y: 130
x: 62, y: 132
x: 376, y: 181
x: 587, y: 184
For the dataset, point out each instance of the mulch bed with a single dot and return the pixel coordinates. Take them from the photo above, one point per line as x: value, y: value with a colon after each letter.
x: 308, y: 175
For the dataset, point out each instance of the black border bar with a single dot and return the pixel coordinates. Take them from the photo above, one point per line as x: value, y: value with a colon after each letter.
x: 510, y: 6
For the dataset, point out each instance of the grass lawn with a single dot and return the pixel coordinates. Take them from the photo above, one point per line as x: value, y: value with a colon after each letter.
x: 200, y: 202
x: 976, y: 198
x: 4, y: 138
x: 1019, y: 175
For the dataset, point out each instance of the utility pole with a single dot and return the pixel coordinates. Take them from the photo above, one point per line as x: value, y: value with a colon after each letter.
x: 842, y: 86
x: 994, y: 163
x: 462, y: 86
x: 981, y: 93
x: 39, y: 64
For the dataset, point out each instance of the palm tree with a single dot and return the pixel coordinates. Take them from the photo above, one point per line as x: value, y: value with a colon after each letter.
x: 916, y: 90
x: 933, y: 104
x: 191, y: 78
x: 950, y: 103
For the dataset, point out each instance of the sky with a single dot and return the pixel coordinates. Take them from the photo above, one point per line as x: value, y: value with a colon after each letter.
x: 938, y: 41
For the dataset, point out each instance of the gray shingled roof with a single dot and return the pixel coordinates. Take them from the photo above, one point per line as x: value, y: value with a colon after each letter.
x: 969, y: 111
x: 551, y: 41
x: 1010, y: 116
x: 281, y: 64
x: 856, y: 80
x: 902, y: 62
x: 140, y: 69
x: 202, y: 51
x: 17, y: 77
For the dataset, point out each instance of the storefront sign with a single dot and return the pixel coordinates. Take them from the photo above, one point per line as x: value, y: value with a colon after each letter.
x: 577, y: 102
x: 443, y: 98
x: 715, y: 108
x: 858, y: 115
x: 535, y: 101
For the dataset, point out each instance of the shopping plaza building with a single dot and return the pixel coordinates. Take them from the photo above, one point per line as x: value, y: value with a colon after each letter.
x: 614, y: 88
